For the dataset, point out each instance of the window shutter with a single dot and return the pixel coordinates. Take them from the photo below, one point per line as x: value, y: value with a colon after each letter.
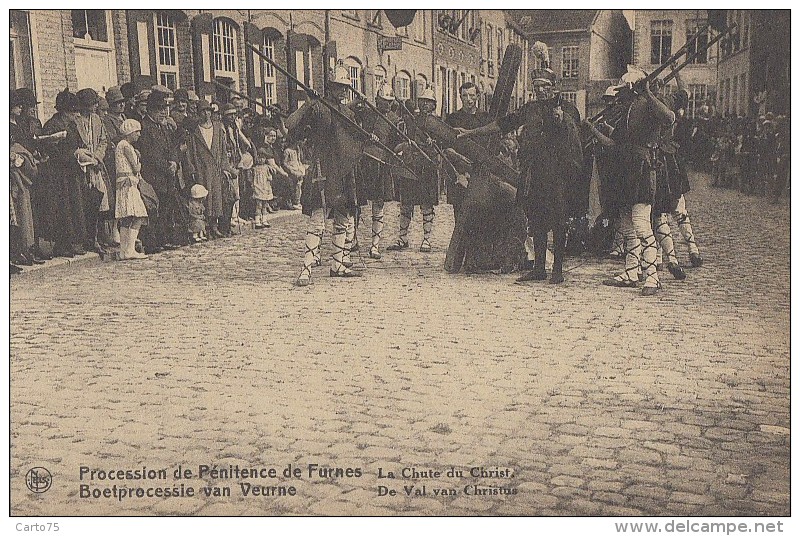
x: 141, y: 43
x: 253, y: 35
x: 203, y: 49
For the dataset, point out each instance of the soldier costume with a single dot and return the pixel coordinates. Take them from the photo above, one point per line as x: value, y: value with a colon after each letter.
x: 331, y: 181
x: 637, y: 137
x: 375, y: 173
x: 422, y: 190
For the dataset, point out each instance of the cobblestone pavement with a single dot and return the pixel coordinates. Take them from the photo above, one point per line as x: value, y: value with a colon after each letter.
x: 585, y: 399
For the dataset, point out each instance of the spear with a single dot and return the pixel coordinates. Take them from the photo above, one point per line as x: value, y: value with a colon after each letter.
x: 329, y: 106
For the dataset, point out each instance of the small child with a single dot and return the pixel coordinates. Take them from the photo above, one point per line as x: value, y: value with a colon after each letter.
x: 262, y: 187
x: 197, y: 213
x: 292, y: 161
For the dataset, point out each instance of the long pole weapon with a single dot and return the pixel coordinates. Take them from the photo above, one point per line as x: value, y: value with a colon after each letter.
x: 433, y: 144
x: 330, y: 107
x: 388, y: 121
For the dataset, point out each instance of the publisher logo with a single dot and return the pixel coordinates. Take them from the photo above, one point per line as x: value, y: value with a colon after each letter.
x: 38, y: 480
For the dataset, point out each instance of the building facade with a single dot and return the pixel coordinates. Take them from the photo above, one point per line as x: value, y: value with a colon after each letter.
x: 753, y: 78
x: 657, y: 34
x: 588, y: 49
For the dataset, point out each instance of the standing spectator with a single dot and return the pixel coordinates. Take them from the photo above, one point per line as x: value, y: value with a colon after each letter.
x: 179, y: 111
x: 282, y: 188
x: 89, y: 142
x: 262, y: 186
x: 130, y: 208
x: 293, y: 163
x: 59, y: 172
x: 112, y: 121
x: 237, y: 146
x: 159, y: 169
x: 207, y: 164
x: 197, y: 213
x: 22, y: 176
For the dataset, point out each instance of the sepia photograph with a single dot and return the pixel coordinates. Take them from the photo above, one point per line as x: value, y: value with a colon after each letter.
x: 401, y: 262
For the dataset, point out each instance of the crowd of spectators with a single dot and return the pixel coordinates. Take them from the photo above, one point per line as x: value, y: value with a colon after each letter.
x: 180, y: 168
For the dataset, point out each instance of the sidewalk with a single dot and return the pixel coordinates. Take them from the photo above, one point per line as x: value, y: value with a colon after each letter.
x: 275, y: 217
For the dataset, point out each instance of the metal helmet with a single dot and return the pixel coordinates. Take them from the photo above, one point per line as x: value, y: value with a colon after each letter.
x: 385, y: 92
x: 428, y: 93
x: 634, y: 74
x: 340, y: 75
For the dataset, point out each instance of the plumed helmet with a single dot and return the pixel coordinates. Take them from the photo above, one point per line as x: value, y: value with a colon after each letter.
x: 544, y: 75
x: 385, y: 92
x: 427, y: 94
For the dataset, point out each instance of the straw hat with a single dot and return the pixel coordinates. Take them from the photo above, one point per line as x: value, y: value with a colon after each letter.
x: 198, y: 191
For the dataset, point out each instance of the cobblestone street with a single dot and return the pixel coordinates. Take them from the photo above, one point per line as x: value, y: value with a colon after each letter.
x: 585, y: 399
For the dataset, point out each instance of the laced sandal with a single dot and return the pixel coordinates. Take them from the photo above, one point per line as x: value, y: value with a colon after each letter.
x: 397, y: 246
x: 304, y: 279
x: 425, y: 247
x: 374, y: 253
x: 676, y: 271
x: 620, y: 282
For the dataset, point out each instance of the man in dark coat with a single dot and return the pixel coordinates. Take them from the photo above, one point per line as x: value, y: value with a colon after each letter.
x: 159, y: 168
x: 551, y: 161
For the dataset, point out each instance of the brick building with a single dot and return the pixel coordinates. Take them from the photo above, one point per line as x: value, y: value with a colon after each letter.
x: 589, y: 49
x: 659, y: 33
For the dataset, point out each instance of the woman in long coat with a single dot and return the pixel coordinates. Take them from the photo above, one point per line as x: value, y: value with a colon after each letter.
x: 207, y: 162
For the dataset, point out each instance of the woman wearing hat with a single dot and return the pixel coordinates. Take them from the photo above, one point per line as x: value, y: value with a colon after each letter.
x: 88, y: 140
x: 130, y: 209
x: 207, y: 164
x: 60, y: 173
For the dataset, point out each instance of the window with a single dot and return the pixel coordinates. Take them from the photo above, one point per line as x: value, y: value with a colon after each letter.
x: 697, y: 96
x: 350, y: 13
x: 501, y: 45
x: 269, y: 80
x: 490, y: 49
x: 380, y: 77
x: 420, y: 25
x: 90, y: 24
x: 570, y: 96
x: 354, y: 69
x: 569, y: 62
x: 402, y: 86
x: 167, y: 51
x: 693, y: 27
x: 224, y: 48
x: 660, y: 41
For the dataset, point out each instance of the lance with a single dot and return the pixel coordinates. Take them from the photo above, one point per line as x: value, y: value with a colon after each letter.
x: 672, y: 59
x: 388, y: 121
x: 267, y: 108
x: 329, y: 106
x: 433, y: 143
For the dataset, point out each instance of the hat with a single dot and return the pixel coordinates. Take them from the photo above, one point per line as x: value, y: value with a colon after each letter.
x: 128, y: 90
x: 340, y: 75
x: 385, y: 92
x: 198, y: 191
x: 191, y: 96
x: 427, y: 94
x: 66, y: 101
x: 25, y: 97
x: 87, y: 97
x: 181, y: 95
x: 114, y: 95
x: 228, y: 109
x: 157, y: 99
x: 203, y: 104
x: 129, y: 126
x: 142, y: 96
x: 634, y: 74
